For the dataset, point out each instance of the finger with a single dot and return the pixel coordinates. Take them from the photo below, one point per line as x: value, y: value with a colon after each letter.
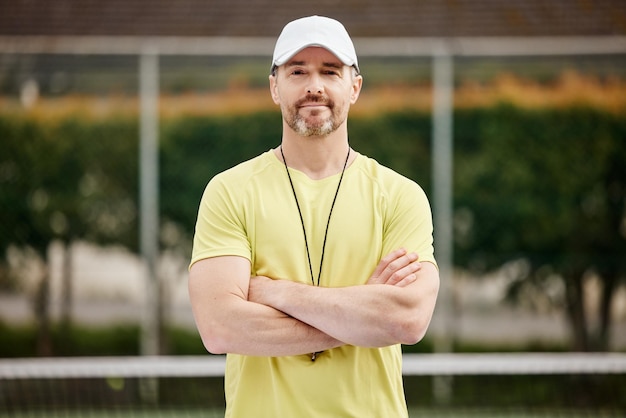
x: 390, y: 259
x: 404, y: 275
x: 395, y: 268
x: 408, y: 279
x: 383, y: 266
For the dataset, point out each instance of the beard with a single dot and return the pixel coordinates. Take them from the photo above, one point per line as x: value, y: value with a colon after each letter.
x: 309, y: 126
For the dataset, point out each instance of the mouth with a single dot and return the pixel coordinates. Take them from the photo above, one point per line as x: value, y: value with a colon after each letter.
x: 314, y: 102
x: 312, y: 105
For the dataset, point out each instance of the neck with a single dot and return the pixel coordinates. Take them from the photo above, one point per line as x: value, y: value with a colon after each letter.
x: 318, y: 158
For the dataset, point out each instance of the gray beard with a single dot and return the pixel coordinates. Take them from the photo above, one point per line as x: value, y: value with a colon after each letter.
x: 300, y: 126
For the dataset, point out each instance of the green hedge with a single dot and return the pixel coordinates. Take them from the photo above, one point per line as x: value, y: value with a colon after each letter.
x: 111, y: 340
x: 75, y: 178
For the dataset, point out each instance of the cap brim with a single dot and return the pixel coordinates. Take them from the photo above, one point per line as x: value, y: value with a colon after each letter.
x: 283, y: 59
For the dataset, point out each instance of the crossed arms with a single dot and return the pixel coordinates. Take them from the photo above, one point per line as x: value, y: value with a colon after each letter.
x: 259, y: 316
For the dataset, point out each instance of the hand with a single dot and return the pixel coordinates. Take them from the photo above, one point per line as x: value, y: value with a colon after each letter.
x: 397, y: 268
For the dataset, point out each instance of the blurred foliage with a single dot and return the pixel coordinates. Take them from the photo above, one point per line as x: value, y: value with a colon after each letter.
x: 112, y: 340
x: 68, y: 180
x: 547, y: 189
x: 539, y: 183
x: 541, y: 190
x: 194, y: 149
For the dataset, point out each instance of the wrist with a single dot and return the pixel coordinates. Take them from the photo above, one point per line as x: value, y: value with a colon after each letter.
x: 289, y: 297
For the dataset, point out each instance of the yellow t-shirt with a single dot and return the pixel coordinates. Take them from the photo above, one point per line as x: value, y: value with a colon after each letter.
x: 250, y: 211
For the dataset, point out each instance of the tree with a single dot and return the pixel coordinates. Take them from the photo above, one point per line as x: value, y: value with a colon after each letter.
x: 28, y: 163
x: 65, y: 182
x: 545, y: 187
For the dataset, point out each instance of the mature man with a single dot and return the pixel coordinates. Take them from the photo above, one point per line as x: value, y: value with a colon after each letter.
x: 312, y: 263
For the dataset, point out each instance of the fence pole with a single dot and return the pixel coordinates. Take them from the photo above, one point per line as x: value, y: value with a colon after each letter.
x: 442, y: 148
x: 149, y: 209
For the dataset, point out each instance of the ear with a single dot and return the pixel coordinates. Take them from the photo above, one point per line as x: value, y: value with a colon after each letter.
x: 357, y: 84
x: 274, y: 89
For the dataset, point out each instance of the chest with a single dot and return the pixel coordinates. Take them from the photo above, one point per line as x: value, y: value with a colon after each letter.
x: 347, y: 238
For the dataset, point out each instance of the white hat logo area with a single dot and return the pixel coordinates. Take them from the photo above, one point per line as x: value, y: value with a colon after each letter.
x: 315, y: 31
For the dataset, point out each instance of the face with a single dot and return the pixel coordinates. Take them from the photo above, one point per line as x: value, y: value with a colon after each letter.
x: 315, y: 90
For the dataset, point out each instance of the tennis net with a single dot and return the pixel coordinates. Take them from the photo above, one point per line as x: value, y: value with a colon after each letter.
x: 436, y: 385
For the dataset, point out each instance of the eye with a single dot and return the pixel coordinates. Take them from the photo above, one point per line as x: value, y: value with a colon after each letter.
x: 332, y: 71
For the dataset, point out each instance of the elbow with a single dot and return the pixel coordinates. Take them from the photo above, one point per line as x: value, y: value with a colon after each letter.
x: 416, y: 317
x: 214, y: 340
x: 411, y: 330
x: 413, y: 335
x: 213, y: 346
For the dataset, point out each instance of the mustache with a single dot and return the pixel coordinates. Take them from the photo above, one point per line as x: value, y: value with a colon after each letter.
x: 315, y: 98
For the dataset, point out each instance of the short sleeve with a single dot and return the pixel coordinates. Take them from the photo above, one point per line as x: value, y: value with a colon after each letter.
x: 220, y: 228
x: 409, y: 222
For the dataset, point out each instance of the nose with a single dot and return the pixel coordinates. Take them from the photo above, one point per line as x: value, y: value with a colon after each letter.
x: 315, y: 85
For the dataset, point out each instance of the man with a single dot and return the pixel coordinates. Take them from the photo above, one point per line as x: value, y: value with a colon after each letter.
x: 311, y: 262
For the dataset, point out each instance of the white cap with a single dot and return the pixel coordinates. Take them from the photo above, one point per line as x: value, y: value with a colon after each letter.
x: 314, y: 31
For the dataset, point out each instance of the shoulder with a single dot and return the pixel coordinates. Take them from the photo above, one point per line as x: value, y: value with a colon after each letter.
x: 236, y: 182
x: 247, y: 175
x: 387, y: 180
x: 243, y: 172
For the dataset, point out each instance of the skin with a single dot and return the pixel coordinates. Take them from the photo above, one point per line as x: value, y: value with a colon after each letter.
x: 237, y: 313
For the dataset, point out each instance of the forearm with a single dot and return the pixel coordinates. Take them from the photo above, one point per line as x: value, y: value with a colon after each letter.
x: 253, y: 329
x: 353, y: 314
x: 230, y: 323
x: 372, y: 315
